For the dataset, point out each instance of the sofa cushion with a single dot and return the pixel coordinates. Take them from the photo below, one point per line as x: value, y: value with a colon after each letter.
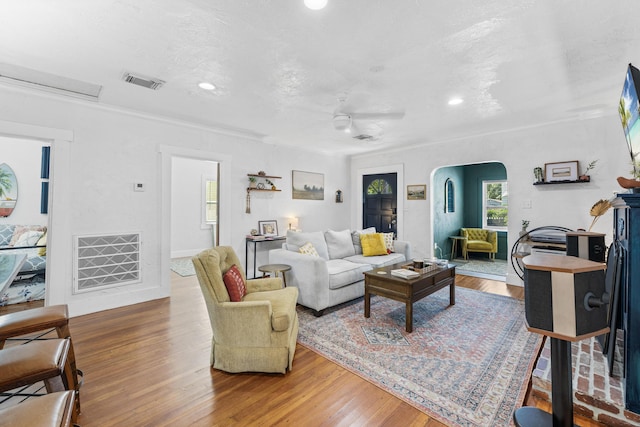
x: 373, y: 244
x: 316, y: 238
x: 377, y: 261
x: 28, y: 238
x: 479, y: 244
x: 6, y: 232
x: 355, y: 237
x: 42, y: 242
x: 343, y: 273
x: 388, y: 241
x: 308, y: 249
x: 339, y: 244
x: 234, y: 283
x: 21, y: 229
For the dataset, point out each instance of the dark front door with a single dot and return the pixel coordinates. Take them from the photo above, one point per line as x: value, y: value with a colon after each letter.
x: 380, y: 202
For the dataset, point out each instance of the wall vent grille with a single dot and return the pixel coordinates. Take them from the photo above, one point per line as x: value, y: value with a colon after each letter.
x: 139, y: 80
x: 104, y: 261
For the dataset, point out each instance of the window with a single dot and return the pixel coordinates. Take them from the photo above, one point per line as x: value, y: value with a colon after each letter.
x: 495, y: 205
x: 379, y: 186
x: 210, y: 201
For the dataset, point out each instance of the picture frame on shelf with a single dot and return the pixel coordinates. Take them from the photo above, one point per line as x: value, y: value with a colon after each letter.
x: 561, y: 171
x: 417, y: 192
x: 268, y: 228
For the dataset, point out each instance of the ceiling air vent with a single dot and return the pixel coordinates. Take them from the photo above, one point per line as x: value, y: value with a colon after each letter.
x: 34, y: 79
x: 148, y: 82
x: 363, y: 137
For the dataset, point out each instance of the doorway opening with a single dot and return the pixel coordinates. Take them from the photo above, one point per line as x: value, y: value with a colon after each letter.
x: 471, y: 196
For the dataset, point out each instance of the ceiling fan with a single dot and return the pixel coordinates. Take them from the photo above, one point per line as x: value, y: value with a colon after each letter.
x: 343, y: 120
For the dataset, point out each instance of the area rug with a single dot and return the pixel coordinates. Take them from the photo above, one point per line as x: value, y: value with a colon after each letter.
x: 464, y: 365
x: 183, y: 266
x: 496, y: 269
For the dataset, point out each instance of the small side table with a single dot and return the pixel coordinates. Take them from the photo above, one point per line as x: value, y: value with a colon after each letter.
x: 275, y: 268
x: 454, y: 245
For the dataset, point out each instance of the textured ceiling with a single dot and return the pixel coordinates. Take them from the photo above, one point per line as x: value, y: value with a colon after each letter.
x: 282, y: 69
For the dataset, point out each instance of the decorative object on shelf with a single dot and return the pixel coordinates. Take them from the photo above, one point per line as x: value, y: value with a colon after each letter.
x: 268, y: 228
x: 262, y: 173
x: 561, y: 171
x: 598, y: 209
x: 307, y: 185
x: 585, y: 175
x: 339, y: 196
x: 273, y: 186
x: 449, y: 196
x: 417, y: 192
x: 253, y: 232
x: 525, y: 224
x: 253, y: 182
x: 8, y: 190
x: 537, y: 174
x: 628, y: 183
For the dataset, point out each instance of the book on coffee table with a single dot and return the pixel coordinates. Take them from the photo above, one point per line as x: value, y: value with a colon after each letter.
x: 405, y: 274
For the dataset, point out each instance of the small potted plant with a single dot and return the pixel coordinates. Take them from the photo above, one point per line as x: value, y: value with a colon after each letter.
x: 252, y: 181
x: 585, y: 176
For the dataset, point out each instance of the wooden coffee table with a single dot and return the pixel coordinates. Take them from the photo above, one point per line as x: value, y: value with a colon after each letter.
x: 380, y: 282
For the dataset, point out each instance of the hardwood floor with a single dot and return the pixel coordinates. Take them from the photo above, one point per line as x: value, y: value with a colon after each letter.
x: 148, y: 365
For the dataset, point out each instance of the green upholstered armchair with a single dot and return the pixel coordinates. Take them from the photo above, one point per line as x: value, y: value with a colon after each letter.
x: 479, y: 240
x: 257, y: 334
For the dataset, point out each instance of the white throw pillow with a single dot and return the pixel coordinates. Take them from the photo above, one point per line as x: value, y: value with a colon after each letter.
x: 339, y: 244
x: 28, y: 238
x: 308, y: 249
x: 388, y: 241
x: 316, y: 238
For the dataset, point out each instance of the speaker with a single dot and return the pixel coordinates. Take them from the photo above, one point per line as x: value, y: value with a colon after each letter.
x: 587, y: 245
x: 563, y: 295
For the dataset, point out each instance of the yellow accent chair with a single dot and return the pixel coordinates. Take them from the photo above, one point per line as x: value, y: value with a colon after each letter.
x: 479, y: 240
x: 256, y: 334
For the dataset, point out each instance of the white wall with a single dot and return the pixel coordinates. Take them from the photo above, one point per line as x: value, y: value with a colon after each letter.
x: 565, y: 205
x: 99, y: 153
x: 23, y: 156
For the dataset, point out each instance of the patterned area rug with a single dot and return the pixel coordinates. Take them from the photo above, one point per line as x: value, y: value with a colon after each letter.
x: 183, y: 266
x: 482, y: 267
x: 464, y: 365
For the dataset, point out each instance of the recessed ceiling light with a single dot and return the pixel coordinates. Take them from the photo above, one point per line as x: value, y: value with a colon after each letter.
x: 456, y: 101
x: 315, y: 4
x: 206, y: 86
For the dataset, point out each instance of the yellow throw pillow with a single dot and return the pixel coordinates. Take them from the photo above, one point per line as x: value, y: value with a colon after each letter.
x: 373, y: 244
x: 308, y: 249
x: 42, y: 242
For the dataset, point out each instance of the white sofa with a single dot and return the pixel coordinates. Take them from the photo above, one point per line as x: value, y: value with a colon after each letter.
x: 336, y: 274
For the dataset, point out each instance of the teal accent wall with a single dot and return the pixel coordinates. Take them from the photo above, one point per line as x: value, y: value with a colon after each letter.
x: 473, y: 177
x: 447, y: 224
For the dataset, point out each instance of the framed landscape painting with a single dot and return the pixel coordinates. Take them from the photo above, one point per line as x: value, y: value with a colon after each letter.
x: 417, y: 192
x: 307, y: 185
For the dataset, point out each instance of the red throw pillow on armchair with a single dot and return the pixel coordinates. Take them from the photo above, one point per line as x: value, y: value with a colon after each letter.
x: 235, y: 284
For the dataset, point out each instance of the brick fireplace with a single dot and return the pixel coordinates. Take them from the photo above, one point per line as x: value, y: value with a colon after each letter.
x: 596, y: 395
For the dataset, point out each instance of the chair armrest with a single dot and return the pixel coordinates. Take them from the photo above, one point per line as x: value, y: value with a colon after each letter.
x: 264, y: 284
x: 492, y: 237
x: 245, y: 323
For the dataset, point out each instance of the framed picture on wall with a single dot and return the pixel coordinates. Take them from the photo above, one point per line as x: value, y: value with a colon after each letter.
x: 417, y: 192
x: 307, y: 185
x: 561, y: 171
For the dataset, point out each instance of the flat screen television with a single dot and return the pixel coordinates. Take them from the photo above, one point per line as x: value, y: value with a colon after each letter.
x: 629, y: 113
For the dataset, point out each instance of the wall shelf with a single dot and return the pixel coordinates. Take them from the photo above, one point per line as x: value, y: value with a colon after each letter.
x: 562, y: 182
x: 260, y: 182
